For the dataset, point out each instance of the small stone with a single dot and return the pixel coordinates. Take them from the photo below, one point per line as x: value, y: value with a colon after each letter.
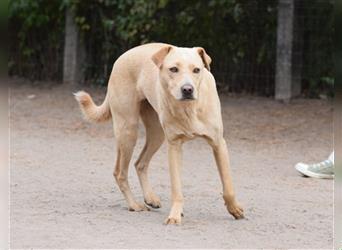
x: 30, y: 97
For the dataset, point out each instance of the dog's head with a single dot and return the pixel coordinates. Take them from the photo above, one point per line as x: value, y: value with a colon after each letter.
x: 181, y: 70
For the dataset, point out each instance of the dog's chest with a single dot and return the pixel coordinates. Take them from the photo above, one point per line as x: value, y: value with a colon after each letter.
x: 187, y: 123
x: 185, y: 128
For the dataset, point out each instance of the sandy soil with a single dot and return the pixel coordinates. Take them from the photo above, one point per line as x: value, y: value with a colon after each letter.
x: 63, y: 194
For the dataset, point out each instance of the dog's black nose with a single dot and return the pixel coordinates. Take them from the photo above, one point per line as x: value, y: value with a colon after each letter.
x: 187, y: 89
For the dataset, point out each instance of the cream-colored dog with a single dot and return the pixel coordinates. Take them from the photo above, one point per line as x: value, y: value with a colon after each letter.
x: 174, y: 93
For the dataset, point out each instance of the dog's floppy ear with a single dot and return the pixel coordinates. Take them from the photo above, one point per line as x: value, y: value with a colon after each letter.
x: 158, y: 57
x: 205, y: 58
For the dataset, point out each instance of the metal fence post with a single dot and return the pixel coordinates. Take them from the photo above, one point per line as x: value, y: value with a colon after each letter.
x: 287, y: 75
x: 73, y: 51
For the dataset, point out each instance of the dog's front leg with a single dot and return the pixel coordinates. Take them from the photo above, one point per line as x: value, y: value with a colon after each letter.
x: 222, y: 161
x: 175, y: 161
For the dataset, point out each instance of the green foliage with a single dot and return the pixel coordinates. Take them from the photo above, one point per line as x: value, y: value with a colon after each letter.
x: 318, y: 46
x: 36, y: 38
x: 227, y: 29
x: 240, y: 36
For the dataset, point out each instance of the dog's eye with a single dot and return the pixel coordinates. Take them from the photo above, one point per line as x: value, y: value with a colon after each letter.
x: 196, y: 70
x: 173, y: 69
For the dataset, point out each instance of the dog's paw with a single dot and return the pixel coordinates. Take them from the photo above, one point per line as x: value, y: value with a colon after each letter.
x: 235, y: 210
x: 153, y: 201
x: 137, y: 207
x: 173, y: 221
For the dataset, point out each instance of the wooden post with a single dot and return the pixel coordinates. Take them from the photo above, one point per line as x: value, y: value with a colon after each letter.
x: 288, y: 68
x: 73, y: 52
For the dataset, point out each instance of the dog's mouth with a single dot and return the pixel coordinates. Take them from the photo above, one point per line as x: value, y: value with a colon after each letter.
x: 187, y: 98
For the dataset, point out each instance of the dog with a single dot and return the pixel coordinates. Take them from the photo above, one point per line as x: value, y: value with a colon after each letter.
x: 173, y: 92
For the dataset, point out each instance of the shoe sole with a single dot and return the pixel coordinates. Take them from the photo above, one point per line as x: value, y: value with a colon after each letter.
x: 314, y: 175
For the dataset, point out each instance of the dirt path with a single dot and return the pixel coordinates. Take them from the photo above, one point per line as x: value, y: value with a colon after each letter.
x: 63, y: 193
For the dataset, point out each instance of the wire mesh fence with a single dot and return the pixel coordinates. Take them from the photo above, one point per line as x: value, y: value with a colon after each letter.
x: 239, y: 35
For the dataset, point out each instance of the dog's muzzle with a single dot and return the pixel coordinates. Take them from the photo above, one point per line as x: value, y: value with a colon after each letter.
x: 187, y: 92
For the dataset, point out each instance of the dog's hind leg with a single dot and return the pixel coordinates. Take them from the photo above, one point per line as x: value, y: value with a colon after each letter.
x: 154, y: 139
x: 126, y: 133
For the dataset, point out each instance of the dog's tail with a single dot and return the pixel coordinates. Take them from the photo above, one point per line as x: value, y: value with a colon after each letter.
x: 90, y: 110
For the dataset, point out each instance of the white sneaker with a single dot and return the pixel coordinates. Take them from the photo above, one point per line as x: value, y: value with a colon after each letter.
x: 324, y: 169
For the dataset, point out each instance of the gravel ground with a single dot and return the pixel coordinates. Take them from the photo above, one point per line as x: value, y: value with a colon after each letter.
x: 63, y: 194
